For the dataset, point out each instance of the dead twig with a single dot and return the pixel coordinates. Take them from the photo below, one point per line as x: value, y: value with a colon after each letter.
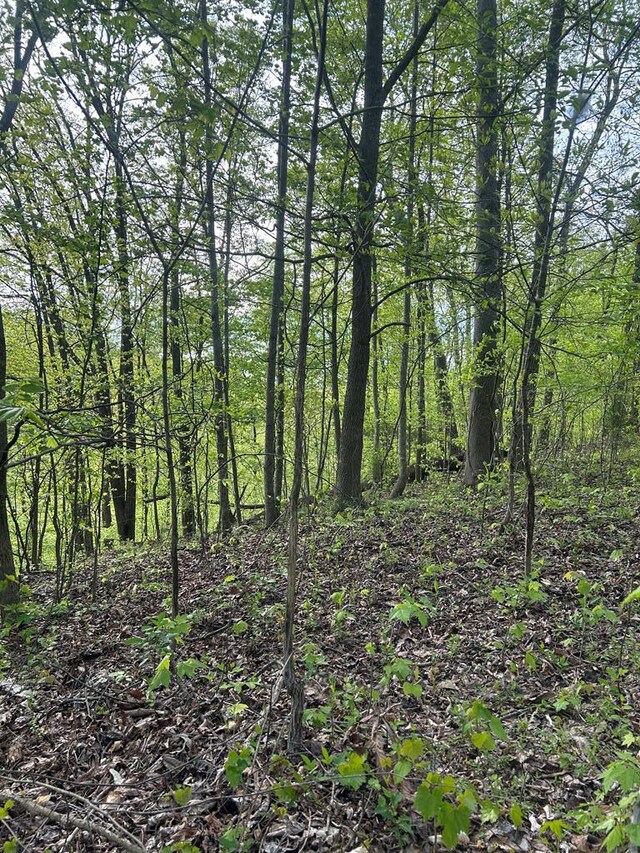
x: 70, y: 820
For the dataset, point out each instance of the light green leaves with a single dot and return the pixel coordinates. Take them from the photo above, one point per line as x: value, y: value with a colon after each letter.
x: 409, y: 609
x: 483, y: 727
x: 633, y: 596
x: 182, y: 795
x: 433, y: 801
x: 352, y: 770
x: 236, y: 763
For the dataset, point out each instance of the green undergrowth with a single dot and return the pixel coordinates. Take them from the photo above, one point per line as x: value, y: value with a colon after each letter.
x: 448, y: 696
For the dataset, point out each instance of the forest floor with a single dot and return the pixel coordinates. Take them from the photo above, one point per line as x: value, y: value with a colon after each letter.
x: 430, y: 663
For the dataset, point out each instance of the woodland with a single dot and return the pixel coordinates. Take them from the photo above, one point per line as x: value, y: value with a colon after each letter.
x: 319, y: 425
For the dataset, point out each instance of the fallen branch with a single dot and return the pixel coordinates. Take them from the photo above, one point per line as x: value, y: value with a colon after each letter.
x: 69, y: 820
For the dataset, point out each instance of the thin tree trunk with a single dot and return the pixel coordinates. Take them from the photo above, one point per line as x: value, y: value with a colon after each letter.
x: 225, y: 518
x: 126, y: 388
x: 229, y: 423
x: 403, y: 456
x: 9, y: 586
x: 167, y: 289
x: 540, y: 271
x: 177, y: 368
x: 291, y: 679
x: 377, y: 467
x: 280, y: 415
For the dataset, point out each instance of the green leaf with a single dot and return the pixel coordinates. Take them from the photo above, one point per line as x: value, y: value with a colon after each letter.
x: 400, y: 667
x: 624, y: 773
x: 633, y: 596
x: 615, y: 839
x: 182, y: 795
x: 187, y: 668
x: 554, y: 827
x: 449, y: 826
x: 402, y: 770
x: 162, y: 678
x: 236, y: 764
x: 10, y: 413
x: 489, y: 812
x: 496, y: 727
x: 240, y: 627
x: 285, y: 793
x: 352, y: 770
x: 401, y: 612
x: 4, y: 810
x: 483, y: 741
x: 515, y: 815
x: 412, y: 748
x: 633, y: 831
x: 428, y: 801
x: 411, y: 689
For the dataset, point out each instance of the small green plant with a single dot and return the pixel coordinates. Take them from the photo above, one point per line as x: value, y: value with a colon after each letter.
x: 409, y: 609
x: 237, y: 762
x: 312, y: 657
x: 439, y: 799
x: 409, y: 751
x: 408, y: 675
x: 622, y: 822
x: 163, y: 631
x: 526, y: 591
x: 234, y: 841
x: 342, y: 614
x: 483, y: 727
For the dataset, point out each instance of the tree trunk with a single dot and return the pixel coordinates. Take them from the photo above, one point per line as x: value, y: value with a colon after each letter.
x: 127, y: 483
x: 225, y: 517
x: 291, y: 679
x: 271, y: 507
x: 348, y: 480
x: 9, y: 586
x: 177, y: 370
x: 486, y: 379
x: 403, y: 455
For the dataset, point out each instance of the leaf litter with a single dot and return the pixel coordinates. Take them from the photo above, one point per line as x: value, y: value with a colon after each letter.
x: 409, y: 613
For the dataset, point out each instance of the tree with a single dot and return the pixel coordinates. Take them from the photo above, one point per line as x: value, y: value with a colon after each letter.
x: 485, y: 383
x: 376, y: 92
x: 9, y: 587
x: 271, y: 496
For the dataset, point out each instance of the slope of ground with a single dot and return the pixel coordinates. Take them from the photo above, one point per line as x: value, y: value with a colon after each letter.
x: 424, y: 651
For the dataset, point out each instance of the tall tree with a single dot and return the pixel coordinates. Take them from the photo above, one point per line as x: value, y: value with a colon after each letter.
x: 376, y: 92
x: 486, y: 379
x: 292, y: 680
x: 271, y: 508
x: 225, y: 517
x: 22, y: 53
x: 403, y: 379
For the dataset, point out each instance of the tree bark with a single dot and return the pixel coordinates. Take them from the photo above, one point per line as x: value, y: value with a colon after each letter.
x: 9, y: 587
x: 486, y: 379
x: 348, y: 480
x: 403, y: 455
x: 271, y: 505
x: 225, y: 516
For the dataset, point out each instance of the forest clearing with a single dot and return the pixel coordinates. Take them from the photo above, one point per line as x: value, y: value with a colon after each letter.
x: 319, y: 425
